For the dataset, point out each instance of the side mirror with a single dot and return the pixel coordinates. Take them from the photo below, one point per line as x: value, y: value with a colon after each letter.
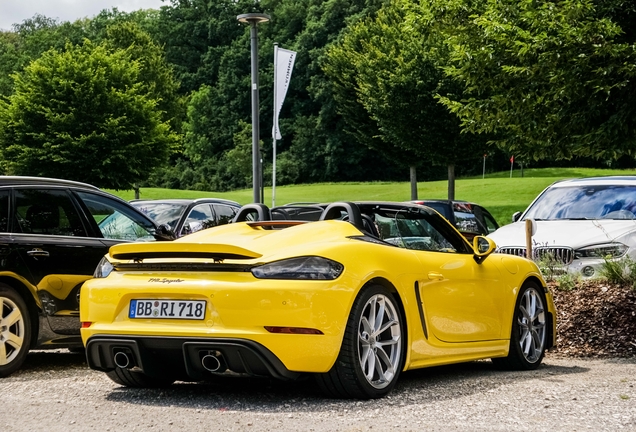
x: 164, y: 233
x: 195, y: 226
x: 516, y: 216
x: 483, y: 247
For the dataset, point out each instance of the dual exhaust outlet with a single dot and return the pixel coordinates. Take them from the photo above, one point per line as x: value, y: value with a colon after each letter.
x: 211, y: 361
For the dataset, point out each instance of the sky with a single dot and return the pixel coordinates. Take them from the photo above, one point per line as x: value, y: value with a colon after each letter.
x: 16, y: 11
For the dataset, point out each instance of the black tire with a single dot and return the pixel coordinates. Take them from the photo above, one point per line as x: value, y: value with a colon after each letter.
x: 15, y: 330
x: 370, y: 361
x: 130, y: 378
x: 529, y: 330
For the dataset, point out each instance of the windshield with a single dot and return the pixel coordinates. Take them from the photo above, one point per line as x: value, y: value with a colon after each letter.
x: 417, y: 229
x: 584, y: 202
x: 162, y: 213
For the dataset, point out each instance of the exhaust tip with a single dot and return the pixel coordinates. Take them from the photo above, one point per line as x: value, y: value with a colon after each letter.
x: 122, y: 360
x: 213, y: 362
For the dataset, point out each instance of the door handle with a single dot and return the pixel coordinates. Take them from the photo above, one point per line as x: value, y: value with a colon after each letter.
x: 38, y: 253
x: 435, y: 276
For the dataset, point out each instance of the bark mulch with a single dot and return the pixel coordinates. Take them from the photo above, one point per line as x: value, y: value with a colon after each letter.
x: 595, y: 319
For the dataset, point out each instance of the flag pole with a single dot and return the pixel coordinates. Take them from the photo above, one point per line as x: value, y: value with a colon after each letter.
x: 274, y: 134
x: 287, y: 63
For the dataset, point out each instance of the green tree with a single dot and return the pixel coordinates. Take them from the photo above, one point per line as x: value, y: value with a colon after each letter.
x: 35, y: 35
x: 197, y: 33
x: 316, y: 137
x: 211, y: 51
x: 551, y: 79
x: 28, y: 41
x: 235, y: 166
x: 155, y: 73
x: 393, y: 66
x: 83, y: 114
x: 10, y: 57
x: 146, y: 19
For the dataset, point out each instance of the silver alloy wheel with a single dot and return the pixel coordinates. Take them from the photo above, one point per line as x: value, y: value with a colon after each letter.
x: 532, y: 325
x: 12, y: 330
x: 379, y: 336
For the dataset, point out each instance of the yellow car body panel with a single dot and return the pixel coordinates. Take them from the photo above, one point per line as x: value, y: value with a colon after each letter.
x: 231, y: 312
x: 455, y: 309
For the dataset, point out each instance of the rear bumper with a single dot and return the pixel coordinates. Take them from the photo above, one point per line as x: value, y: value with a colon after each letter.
x: 183, y: 357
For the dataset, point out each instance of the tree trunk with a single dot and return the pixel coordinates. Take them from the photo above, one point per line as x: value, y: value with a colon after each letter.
x: 451, y: 182
x: 413, y: 183
x: 136, y: 189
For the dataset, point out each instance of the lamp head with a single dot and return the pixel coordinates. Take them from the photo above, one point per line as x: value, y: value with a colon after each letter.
x: 253, y: 18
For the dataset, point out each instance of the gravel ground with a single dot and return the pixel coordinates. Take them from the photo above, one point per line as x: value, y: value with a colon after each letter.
x: 55, y: 391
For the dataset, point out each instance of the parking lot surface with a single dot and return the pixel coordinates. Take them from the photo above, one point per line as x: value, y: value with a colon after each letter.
x: 56, y: 391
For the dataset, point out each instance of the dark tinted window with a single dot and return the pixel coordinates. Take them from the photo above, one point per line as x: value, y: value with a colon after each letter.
x: 4, y: 211
x: 491, y: 224
x: 49, y: 212
x: 466, y: 221
x: 200, y: 217
x: 224, y: 213
x: 442, y: 208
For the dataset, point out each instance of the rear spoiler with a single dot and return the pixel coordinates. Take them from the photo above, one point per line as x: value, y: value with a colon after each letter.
x: 217, y: 252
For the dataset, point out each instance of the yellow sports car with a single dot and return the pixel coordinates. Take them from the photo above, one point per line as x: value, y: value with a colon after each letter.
x: 367, y: 291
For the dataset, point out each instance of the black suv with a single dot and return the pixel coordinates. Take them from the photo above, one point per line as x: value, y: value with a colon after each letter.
x: 53, y: 233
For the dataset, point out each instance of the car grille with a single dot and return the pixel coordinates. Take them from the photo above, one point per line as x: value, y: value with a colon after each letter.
x: 562, y: 255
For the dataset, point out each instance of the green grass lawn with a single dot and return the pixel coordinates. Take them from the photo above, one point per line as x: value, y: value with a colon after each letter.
x: 499, y: 193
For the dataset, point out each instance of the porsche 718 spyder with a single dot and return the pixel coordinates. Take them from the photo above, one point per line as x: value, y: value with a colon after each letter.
x: 367, y: 291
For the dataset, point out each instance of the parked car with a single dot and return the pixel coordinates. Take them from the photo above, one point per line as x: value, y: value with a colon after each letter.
x: 367, y: 291
x: 53, y: 233
x: 469, y: 218
x: 580, y: 223
x: 186, y: 216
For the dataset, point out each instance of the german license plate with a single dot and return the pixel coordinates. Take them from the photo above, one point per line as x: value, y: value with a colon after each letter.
x: 168, y: 309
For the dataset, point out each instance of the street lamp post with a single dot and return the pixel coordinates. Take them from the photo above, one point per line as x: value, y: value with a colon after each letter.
x: 253, y: 19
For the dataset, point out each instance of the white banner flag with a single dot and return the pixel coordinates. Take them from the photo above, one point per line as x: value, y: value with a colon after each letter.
x: 283, y: 65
